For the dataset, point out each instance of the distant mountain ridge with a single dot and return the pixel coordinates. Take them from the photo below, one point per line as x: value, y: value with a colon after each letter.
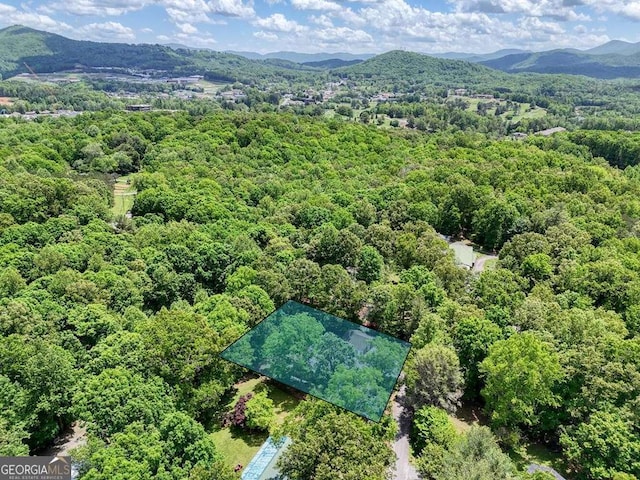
x: 573, y: 62
x: 480, y: 57
x: 615, y: 47
x: 304, y: 57
x: 46, y: 52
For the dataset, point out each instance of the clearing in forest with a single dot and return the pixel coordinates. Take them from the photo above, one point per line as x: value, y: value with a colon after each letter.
x: 123, y: 196
x: 238, y: 445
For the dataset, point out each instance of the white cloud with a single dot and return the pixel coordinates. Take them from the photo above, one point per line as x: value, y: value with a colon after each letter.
x: 540, y: 27
x: 627, y: 8
x: 197, y: 41
x: 279, y: 23
x: 231, y: 8
x: 323, y: 5
x: 99, y: 7
x: 105, y: 32
x: 351, y: 25
x: 187, y: 28
x: 10, y: 15
x: 557, y: 9
x: 178, y: 10
x: 343, y: 35
x: 268, y: 36
x: 321, y: 20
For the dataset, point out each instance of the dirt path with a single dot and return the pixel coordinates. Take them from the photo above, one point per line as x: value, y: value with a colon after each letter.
x: 403, y: 469
x: 479, y: 265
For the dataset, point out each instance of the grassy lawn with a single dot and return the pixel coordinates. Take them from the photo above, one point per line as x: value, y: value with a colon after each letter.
x: 525, y: 113
x: 466, y: 416
x: 123, y: 195
x: 238, y: 446
x: 491, y: 264
x: 529, y: 453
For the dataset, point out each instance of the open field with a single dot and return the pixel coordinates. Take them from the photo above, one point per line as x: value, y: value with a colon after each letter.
x: 210, y: 87
x: 123, y: 196
x: 239, y: 446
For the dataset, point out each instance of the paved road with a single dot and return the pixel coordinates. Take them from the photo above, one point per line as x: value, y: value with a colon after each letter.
x: 403, y: 469
x: 74, y: 436
x: 479, y: 265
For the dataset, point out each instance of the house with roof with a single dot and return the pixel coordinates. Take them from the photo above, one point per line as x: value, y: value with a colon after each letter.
x: 464, y: 254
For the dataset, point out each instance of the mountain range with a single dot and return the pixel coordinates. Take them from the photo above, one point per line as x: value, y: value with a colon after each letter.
x: 613, y: 59
x: 305, y: 57
x: 47, y: 52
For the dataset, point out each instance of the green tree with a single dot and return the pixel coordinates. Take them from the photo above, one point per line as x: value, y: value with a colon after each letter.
x: 520, y: 374
x: 608, y: 443
x: 472, y: 338
x: 260, y: 411
x: 45, y: 376
x: 476, y: 456
x: 182, y: 348
x: 178, y: 449
x: 538, y: 267
x: 434, y: 378
x: 493, y: 222
x: 329, y: 444
x: 116, y: 397
x: 431, y: 425
x: 370, y: 264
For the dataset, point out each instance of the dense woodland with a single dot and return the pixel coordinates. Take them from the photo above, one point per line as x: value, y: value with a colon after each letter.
x: 237, y: 212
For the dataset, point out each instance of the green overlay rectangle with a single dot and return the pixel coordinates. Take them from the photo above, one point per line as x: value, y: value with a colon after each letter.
x: 341, y: 362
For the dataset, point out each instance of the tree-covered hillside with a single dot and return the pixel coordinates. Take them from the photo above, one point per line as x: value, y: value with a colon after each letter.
x: 118, y: 323
x: 409, y: 66
x: 46, y: 52
x: 611, y: 65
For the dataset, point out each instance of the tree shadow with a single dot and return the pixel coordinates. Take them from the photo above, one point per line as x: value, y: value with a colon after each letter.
x: 253, y: 439
x: 283, y: 401
x: 471, y: 413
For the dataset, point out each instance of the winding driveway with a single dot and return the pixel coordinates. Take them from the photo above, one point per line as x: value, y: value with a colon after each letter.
x: 403, y: 469
x: 479, y: 265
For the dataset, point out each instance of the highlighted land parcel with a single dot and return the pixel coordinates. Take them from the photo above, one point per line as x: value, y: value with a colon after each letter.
x: 341, y: 362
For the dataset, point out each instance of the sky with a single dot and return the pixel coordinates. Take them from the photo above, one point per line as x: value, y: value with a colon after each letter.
x: 356, y: 26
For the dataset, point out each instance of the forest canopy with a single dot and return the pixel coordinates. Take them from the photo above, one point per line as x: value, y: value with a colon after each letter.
x: 236, y: 213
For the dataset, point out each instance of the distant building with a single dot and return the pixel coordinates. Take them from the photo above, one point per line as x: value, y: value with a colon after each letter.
x: 464, y: 255
x: 483, y: 96
x: 139, y: 108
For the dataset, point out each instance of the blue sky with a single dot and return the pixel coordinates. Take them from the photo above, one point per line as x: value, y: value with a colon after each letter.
x: 336, y: 25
